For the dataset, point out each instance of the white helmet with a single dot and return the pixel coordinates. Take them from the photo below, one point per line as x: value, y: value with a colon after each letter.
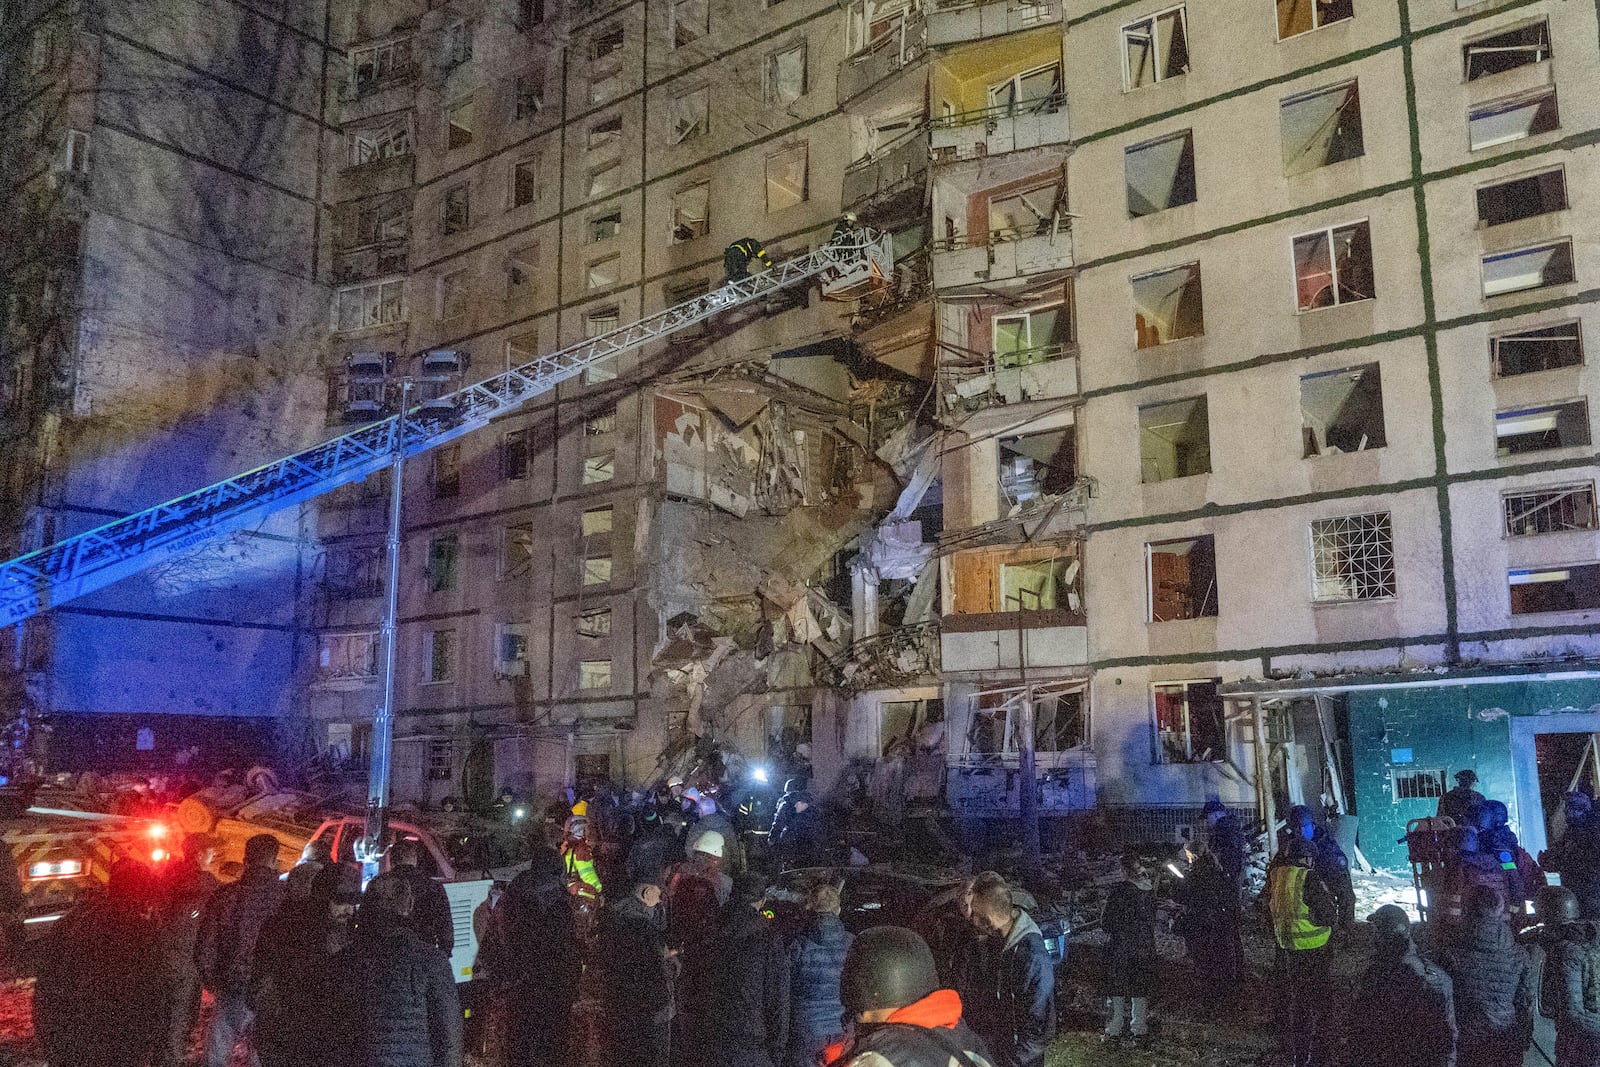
x: 675, y: 781
x: 709, y: 842
x: 850, y: 217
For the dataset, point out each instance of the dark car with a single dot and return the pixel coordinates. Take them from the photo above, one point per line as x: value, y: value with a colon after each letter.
x: 899, y: 894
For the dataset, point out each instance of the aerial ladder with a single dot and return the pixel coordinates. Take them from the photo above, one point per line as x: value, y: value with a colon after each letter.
x: 855, y: 260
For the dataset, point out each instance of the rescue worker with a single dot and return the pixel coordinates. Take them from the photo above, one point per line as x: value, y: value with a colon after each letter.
x: 430, y: 911
x: 189, y: 885
x: 1570, y: 983
x: 1226, y: 841
x: 845, y: 228
x: 1022, y: 999
x: 712, y: 818
x: 736, y: 258
x: 656, y: 848
x: 636, y: 969
x: 1493, y: 983
x: 1303, y: 911
x: 1468, y: 867
x: 225, y: 953
x: 1495, y: 836
x: 1129, y: 920
x: 395, y: 999
x: 1576, y: 854
x: 696, y: 890
x: 815, y: 959
x: 799, y: 838
x: 577, y: 860
x: 1332, y: 865
x: 1461, y: 803
x: 1403, y: 1010
x: 898, y: 1014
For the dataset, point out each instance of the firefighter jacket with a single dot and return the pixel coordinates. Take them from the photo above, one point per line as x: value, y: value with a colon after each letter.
x: 577, y: 860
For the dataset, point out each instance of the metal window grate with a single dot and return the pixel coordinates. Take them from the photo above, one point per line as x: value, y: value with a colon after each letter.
x: 1563, y: 507
x: 1352, y: 558
x: 1419, y: 785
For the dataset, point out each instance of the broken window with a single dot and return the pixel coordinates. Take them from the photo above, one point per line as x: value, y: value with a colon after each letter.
x: 1030, y: 337
x: 1059, y: 722
x: 594, y: 674
x: 1028, y: 91
x: 459, y: 123
x: 514, y: 454
x: 597, y: 521
x: 600, y: 321
x: 1038, y: 464
x: 457, y: 45
x: 511, y: 649
x: 1321, y: 127
x: 445, y: 472
x: 1341, y: 411
x: 528, y: 93
x: 603, y: 87
x: 601, y: 370
x: 1024, y: 214
x: 456, y: 209
x: 788, y: 726
x: 1572, y: 588
x: 438, y: 656
x: 603, y: 178
x: 603, y: 273
x: 787, y: 178
x: 372, y: 304
x: 873, y: 24
x: 1174, y: 440
x: 373, y: 223
x: 1506, y: 50
x: 1544, y: 348
x: 1352, y: 558
x: 691, y: 20
x: 1167, y: 306
x: 1528, y: 268
x: 380, y: 142
x: 1511, y: 120
x: 606, y: 43
x: 516, y: 551
x: 691, y: 114
x: 1537, y: 429
x: 441, y: 754
x: 524, y: 182
x: 1155, y: 48
x: 1160, y: 174
x: 1333, y: 266
x: 521, y: 270
x: 1189, y: 722
x: 529, y: 14
x: 1523, y: 198
x: 596, y: 622
x: 600, y: 424
x: 597, y: 570
x: 374, y: 66
x: 1302, y: 16
x: 453, y: 295
x: 1549, y: 509
x: 1047, y: 584
x: 444, y: 554
x: 598, y: 469
x: 605, y: 136
x: 899, y: 722
x: 785, y: 80
x: 605, y: 226
x: 348, y: 656
x: 1182, y: 577
x: 691, y: 212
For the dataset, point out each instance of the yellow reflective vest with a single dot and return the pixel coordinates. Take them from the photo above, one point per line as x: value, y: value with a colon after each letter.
x: 1291, y: 915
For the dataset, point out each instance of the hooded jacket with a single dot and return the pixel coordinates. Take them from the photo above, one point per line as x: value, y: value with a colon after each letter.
x: 929, y: 1033
x: 1493, y: 983
x: 396, y: 999
x: 1402, y: 1015
x: 1024, y: 997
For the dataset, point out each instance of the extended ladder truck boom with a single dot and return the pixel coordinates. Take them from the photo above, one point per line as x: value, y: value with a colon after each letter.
x: 854, y: 260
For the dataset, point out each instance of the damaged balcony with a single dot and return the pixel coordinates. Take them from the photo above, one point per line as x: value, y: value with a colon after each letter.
x: 1014, y: 608
x: 882, y: 38
x: 963, y: 21
x: 1000, y: 221
x: 994, y: 256
x: 1003, y: 352
x: 998, y: 97
x: 887, y: 169
x: 890, y: 658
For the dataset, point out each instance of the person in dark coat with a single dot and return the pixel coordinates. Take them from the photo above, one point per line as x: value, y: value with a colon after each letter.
x: 814, y: 961
x: 799, y: 832
x: 898, y: 1014
x: 395, y: 999
x: 1493, y: 986
x: 736, y: 258
x: 1461, y: 803
x: 226, y: 945
x: 1469, y: 867
x: 535, y: 962
x: 1570, y: 982
x: 741, y: 1023
x: 1210, y: 923
x: 1495, y: 836
x: 1129, y: 920
x: 635, y: 978
x: 1576, y: 854
x: 97, y: 999
x: 1023, y: 995
x: 291, y: 993
x: 430, y: 916
x: 1226, y: 841
x: 188, y: 886
x: 655, y: 848
x: 1303, y: 911
x: 1402, y: 1013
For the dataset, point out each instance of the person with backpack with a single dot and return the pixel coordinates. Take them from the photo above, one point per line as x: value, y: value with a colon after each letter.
x: 1303, y: 911
x: 1569, y: 988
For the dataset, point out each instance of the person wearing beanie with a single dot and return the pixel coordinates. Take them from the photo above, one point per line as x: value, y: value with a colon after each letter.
x: 225, y: 951
x: 1403, y: 1011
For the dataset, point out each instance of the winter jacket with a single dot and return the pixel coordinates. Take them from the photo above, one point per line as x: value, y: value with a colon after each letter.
x: 395, y: 1000
x: 1402, y: 1014
x: 1577, y: 857
x: 188, y: 889
x: 655, y: 849
x: 290, y: 989
x: 1024, y: 996
x: 229, y: 928
x: 1574, y: 968
x: 1467, y: 871
x: 1493, y: 984
x: 744, y: 1011
x: 732, y: 850
x: 929, y: 1033
x: 630, y: 950
x: 696, y: 889
x: 533, y: 940
x: 800, y: 838
x: 1129, y: 920
x: 1229, y: 845
x: 430, y: 909
x: 815, y: 1015
x: 97, y: 996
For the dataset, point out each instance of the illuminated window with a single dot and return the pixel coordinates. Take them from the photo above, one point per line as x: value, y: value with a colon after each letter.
x: 438, y: 655
x: 594, y: 674
x: 597, y: 521
x: 1167, y: 305
x: 598, y: 469
x: 1333, y: 267
x: 1189, y: 722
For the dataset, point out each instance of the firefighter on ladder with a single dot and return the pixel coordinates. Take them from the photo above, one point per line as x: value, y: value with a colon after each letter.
x: 577, y: 861
x: 736, y: 258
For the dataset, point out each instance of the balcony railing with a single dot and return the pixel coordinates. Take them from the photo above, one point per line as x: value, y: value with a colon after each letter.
x: 889, y: 168
x: 958, y: 21
x: 895, y: 50
x: 1000, y: 255
x: 890, y: 658
x: 993, y: 131
x: 1040, y: 373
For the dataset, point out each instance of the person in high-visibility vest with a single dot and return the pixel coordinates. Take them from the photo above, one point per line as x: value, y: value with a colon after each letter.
x: 1303, y: 912
x: 577, y: 856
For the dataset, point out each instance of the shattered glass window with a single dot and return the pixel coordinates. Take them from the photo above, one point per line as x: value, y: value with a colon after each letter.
x: 1182, y: 577
x: 691, y: 114
x: 1551, y: 509
x: 514, y: 454
x: 594, y: 674
x: 786, y: 75
x: 444, y: 557
x: 460, y: 121
x: 597, y: 571
x: 1528, y: 268
x: 598, y: 469
x: 348, y: 656
x: 1167, y: 305
x: 1333, y: 266
x: 1156, y: 48
x: 1160, y: 174
x: 1544, y: 348
x: 691, y: 20
x: 1039, y: 585
x: 1189, y: 722
x: 596, y: 622
x: 516, y: 551
x: 1174, y: 440
x: 597, y: 521
x: 439, y: 655
x: 1537, y: 429
x: 524, y: 182
x: 1575, y: 588
x: 1302, y: 16
x: 1059, y: 722
x: 788, y: 178
x: 1507, y: 50
x: 1352, y: 558
x: 1321, y: 127
x: 691, y: 212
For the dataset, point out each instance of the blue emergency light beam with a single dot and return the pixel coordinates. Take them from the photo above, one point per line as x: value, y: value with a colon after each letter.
x: 33, y: 583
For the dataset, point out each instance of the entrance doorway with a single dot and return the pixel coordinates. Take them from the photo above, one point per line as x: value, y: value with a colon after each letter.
x: 1546, y: 753
x: 592, y: 772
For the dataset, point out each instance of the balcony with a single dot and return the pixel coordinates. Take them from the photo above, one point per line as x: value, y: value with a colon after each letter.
x: 1044, y: 373
x: 890, y: 659
x: 888, y: 53
x: 994, y: 131
x: 371, y: 261
x: 889, y: 169
x: 1001, y: 255
x: 962, y: 21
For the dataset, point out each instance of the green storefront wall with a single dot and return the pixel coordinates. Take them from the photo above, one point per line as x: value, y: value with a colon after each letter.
x: 1395, y: 733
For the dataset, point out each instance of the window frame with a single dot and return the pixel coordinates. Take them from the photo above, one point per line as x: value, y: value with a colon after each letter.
x: 1548, y: 47
x: 1131, y: 153
x: 1329, y: 232
x: 431, y: 656
x: 1194, y: 270
x: 1154, y: 21
x: 1560, y: 170
x: 674, y: 208
x: 1211, y: 597
x: 1555, y: 245
x: 1315, y: 23
x: 1349, y: 85
x: 1516, y: 101
x: 803, y: 149
x: 1158, y: 754
x: 526, y: 166
x: 698, y: 129
x: 770, y: 95
x: 1564, y: 489
x: 1554, y: 407
x: 1318, y: 579
x: 380, y: 285
x: 1496, y: 365
x: 586, y: 669
x: 462, y: 105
